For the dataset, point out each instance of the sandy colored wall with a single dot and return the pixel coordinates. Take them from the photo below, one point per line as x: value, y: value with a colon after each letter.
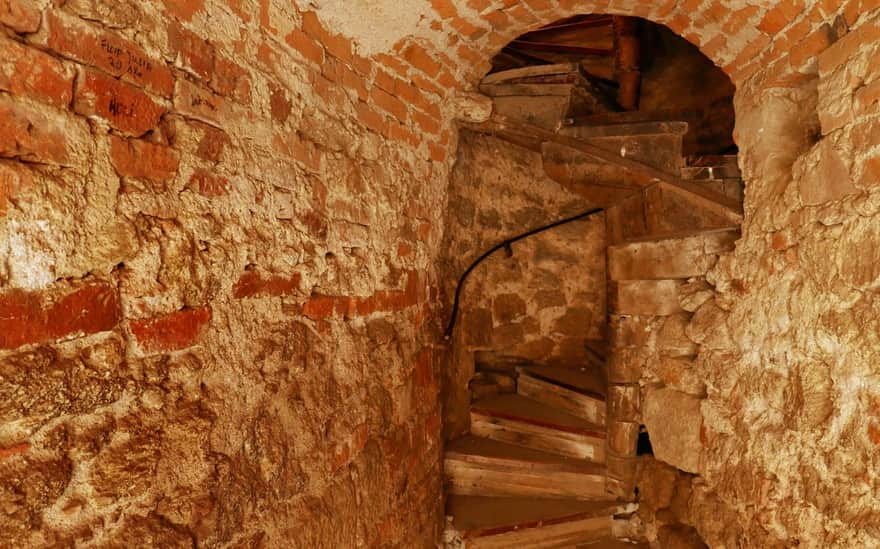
x: 789, y: 343
x: 215, y: 264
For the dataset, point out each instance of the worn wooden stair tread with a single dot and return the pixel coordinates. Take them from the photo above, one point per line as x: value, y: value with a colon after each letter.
x: 485, y: 450
x: 525, y: 410
x: 482, y: 516
x: 583, y: 381
x: 625, y: 129
x: 614, y: 544
x: 515, y: 419
x: 481, y: 466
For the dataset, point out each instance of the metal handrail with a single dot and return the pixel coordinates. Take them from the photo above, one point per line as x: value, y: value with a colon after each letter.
x: 506, y: 245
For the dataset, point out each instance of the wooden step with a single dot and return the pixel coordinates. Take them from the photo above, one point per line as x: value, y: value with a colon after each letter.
x: 576, y: 392
x: 518, y: 420
x: 614, y: 544
x: 530, y: 523
x: 482, y: 466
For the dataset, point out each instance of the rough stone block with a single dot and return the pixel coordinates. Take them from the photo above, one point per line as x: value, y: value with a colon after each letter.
x: 674, y: 420
x: 623, y: 403
x: 623, y: 438
x: 626, y: 365
x: 828, y: 178
x: 644, y: 297
x: 673, y: 340
x: 683, y: 257
x: 633, y: 330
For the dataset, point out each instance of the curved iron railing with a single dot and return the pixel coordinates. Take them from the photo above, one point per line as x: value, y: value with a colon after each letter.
x: 506, y: 245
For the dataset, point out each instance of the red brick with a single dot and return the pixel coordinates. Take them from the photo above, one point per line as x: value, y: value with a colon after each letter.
x: 77, y: 40
x: 389, y: 104
x: 739, y: 19
x: 14, y: 176
x: 255, y: 283
x: 171, y: 332
x: 207, y: 184
x: 194, y: 53
x: 239, y: 10
x: 419, y: 58
x: 436, y: 152
x: 426, y: 85
x: 265, y: 18
x: 355, y: 82
x: 498, y: 20
x: 184, y: 9
x: 779, y: 17
x: 370, y: 118
x: 874, y: 432
x: 427, y: 123
x: 212, y: 144
x: 808, y: 49
x: 279, y: 104
x: 38, y: 317
x: 319, y: 307
x: 393, y: 63
x: 404, y: 249
x: 522, y: 15
x: 444, y: 8
x: 870, y: 175
x: 29, y: 134
x: 144, y: 160
x: 401, y: 134
x: 848, y: 47
x: 306, y: 46
x: 126, y: 108
x: 199, y: 103
x: 28, y: 72
x: 231, y: 80
x: 301, y: 150
x: 479, y: 5
x: 20, y: 15
x: 467, y: 29
x: 336, y: 45
x: 15, y: 450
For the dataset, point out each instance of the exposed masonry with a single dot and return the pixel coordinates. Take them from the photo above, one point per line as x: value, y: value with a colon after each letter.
x: 219, y: 303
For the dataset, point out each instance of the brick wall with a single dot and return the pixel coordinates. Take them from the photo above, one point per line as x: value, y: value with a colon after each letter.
x: 216, y: 230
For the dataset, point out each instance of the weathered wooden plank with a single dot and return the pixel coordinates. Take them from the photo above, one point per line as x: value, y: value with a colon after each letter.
x: 539, y: 437
x: 589, y: 408
x: 648, y: 175
x: 495, y: 477
x: 531, y: 72
x: 547, y: 535
x: 531, y: 90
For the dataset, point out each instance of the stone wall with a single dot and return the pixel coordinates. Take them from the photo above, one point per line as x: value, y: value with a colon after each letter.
x: 789, y: 344
x: 544, y: 303
x: 217, y: 225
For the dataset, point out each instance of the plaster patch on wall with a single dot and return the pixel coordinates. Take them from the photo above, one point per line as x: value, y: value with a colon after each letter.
x: 26, y: 266
x: 374, y: 25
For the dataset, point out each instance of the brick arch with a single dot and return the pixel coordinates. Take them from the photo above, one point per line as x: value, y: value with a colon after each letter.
x: 786, y: 35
